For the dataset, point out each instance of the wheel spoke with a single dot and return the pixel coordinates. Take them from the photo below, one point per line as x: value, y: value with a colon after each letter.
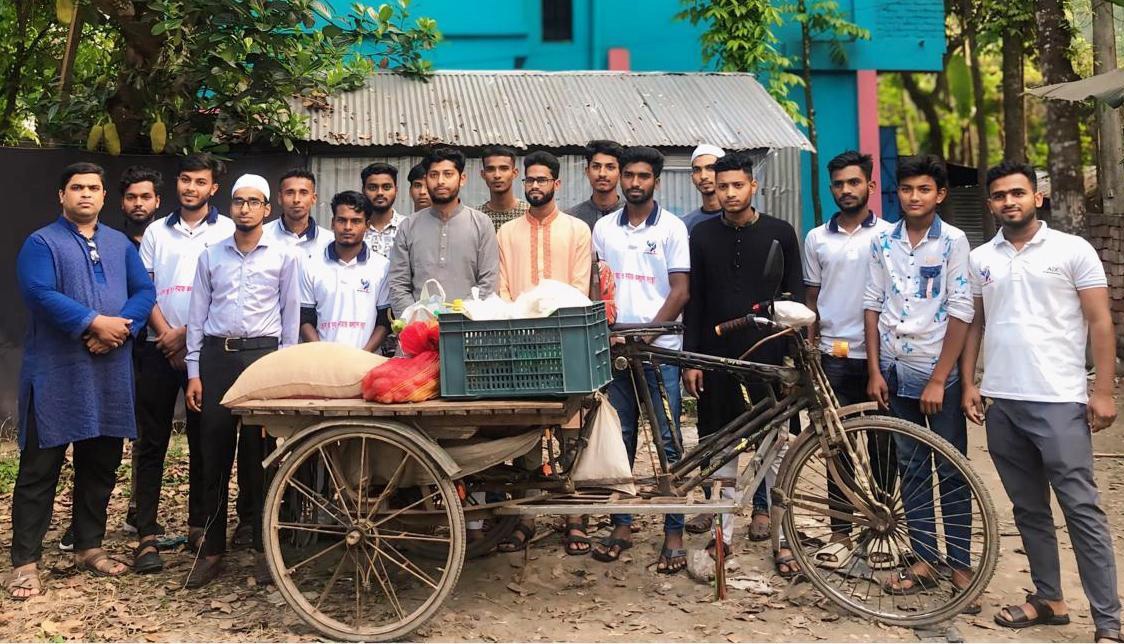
x: 316, y: 556
x: 378, y: 570
x: 315, y: 527
x: 320, y: 502
x: 332, y: 580
x: 336, y: 480
x: 390, y: 488
x: 405, y: 564
x: 407, y: 508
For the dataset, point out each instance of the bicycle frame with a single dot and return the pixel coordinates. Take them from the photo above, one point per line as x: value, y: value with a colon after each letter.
x: 763, y: 426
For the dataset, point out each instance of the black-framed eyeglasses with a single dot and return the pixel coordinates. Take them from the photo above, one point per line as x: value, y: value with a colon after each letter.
x: 92, y: 246
x: 537, y: 181
x: 254, y: 204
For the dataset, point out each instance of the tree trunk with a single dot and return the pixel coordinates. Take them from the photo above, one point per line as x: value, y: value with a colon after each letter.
x: 813, y: 138
x: 1067, y: 190
x: 127, y: 107
x: 1014, y: 103
x: 1110, y: 150
x: 925, y: 102
x: 983, y: 153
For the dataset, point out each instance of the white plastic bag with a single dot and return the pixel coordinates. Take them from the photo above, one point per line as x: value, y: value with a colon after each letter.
x: 546, y: 298
x: 430, y: 302
x: 492, y: 307
x: 793, y: 314
x: 604, y: 457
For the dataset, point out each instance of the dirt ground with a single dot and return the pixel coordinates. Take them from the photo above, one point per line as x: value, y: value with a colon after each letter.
x: 552, y: 597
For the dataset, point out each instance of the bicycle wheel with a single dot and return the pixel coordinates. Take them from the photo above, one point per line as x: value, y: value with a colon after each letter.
x: 937, y: 511
x: 354, y: 579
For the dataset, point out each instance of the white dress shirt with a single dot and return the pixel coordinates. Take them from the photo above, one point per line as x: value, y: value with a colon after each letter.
x: 244, y: 295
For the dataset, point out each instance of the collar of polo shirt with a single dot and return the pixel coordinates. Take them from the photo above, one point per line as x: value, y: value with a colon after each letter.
x: 833, y: 223
x: 332, y: 255
x: 174, y: 218
x: 1039, y: 236
x: 309, y: 233
x: 653, y: 217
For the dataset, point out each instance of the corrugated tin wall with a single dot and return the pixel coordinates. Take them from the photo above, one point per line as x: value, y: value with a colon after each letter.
x: 778, y: 176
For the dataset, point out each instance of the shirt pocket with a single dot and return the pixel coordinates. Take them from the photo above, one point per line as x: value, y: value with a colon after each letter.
x: 929, y: 282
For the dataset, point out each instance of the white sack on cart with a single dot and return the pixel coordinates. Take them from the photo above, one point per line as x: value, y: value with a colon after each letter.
x: 605, y: 456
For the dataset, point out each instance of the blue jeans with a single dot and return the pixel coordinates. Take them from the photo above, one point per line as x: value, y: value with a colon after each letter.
x: 623, y: 398
x: 915, y: 467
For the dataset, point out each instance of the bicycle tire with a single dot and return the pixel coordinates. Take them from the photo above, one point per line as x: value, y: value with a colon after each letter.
x: 826, y: 581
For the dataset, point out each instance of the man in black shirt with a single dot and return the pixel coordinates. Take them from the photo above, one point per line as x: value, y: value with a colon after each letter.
x: 727, y: 278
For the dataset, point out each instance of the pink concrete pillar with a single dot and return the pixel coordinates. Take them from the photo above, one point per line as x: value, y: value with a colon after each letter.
x: 619, y: 59
x: 866, y: 81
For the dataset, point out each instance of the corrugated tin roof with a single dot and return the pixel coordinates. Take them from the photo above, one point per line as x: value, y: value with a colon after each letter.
x: 557, y: 109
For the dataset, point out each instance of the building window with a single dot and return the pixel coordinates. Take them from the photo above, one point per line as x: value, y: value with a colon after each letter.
x: 557, y: 20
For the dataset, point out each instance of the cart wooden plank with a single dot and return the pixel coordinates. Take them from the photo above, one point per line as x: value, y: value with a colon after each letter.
x: 550, y: 411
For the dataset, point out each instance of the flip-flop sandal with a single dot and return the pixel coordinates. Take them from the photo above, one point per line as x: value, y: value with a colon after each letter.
x: 24, y: 581
x: 700, y: 524
x: 606, y: 555
x: 788, y: 561
x: 1106, y: 634
x: 918, y: 583
x: 511, y: 544
x: 879, y: 556
x: 667, y: 556
x: 146, y: 557
x: 726, y: 550
x: 90, y: 564
x: 756, y: 531
x: 569, y: 540
x: 833, y: 555
x: 1045, y: 615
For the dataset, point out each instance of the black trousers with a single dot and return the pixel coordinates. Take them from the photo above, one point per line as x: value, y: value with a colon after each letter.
x: 33, y: 499
x: 221, y: 438
x: 158, y: 387
x: 848, y: 378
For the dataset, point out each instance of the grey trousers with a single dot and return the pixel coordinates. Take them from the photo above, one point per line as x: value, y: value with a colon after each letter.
x: 1037, y: 446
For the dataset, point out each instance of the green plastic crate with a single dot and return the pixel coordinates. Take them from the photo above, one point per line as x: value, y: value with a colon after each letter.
x: 566, y: 353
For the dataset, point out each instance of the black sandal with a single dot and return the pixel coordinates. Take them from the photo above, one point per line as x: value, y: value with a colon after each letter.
x: 760, y: 535
x: 511, y: 544
x: 1106, y: 634
x: 146, y: 558
x: 667, y: 555
x: 606, y: 555
x: 1044, y: 615
x: 569, y: 540
x: 918, y: 583
x: 788, y: 561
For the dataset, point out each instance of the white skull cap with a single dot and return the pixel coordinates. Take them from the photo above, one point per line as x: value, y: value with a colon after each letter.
x: 706, y: 148
x: 255, y: 181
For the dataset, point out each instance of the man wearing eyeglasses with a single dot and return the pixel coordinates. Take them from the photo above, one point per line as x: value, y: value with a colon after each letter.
x: 88, y: 294
x: 170, y: 250
x: 245, y: 304
x: 544, y: 244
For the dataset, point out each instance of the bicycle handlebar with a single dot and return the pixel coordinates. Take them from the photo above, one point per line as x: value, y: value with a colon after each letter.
x: 749, y: 321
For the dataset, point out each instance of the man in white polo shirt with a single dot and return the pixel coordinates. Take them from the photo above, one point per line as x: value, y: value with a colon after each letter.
x: 344, y: 293
x: 646, y: 246
x: 1039, y: 293
x: 170, y: 250
x: 836, y: 258
x: 296, y: 227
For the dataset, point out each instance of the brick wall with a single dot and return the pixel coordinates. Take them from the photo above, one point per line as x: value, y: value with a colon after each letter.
x: 1106, y: 234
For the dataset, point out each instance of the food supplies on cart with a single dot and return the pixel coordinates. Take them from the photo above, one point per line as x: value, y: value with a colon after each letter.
x: 412, y: 376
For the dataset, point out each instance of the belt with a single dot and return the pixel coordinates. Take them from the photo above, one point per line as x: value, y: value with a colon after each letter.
x: 241, y: 344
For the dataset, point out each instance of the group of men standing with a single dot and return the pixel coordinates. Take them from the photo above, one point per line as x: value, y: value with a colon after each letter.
x: 197, y: 296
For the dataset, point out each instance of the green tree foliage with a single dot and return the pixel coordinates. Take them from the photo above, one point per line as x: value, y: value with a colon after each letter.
x: 739, y: 37
x: 217, y: 72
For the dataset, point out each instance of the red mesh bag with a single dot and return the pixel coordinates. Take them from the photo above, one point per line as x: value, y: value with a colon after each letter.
x: 419, y: 337
x: 401, y: 380
x: 608, y: 285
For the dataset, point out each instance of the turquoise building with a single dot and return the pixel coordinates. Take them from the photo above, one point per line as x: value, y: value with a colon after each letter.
x: 551, y: 35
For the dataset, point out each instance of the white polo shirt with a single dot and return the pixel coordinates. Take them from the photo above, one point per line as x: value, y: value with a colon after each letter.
x: 347, y: 296
x: 309, y: 244
x: 1034, y: 329
x: 170, y: 251
x: 642, y: 257
x: 836, y: 261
